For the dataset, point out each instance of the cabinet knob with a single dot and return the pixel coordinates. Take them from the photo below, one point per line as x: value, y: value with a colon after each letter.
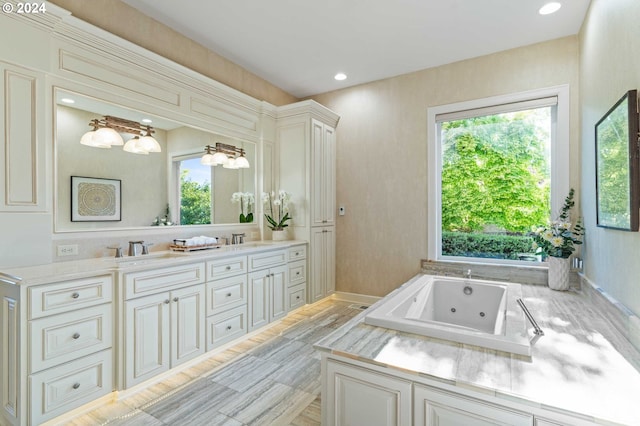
x: 175, y: 299
x: 166, y: 302
x: 298, y: 297
x: 297, y: 254
x: 76, y: 385
x: 298, y: 273
x: 76, y: 336
x: 228, y: 294
x: 228, y: 268
x: 75, y: 295
x: 228, y: 327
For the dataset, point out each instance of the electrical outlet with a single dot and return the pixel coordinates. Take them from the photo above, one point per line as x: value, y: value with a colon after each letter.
x: 68, y: 250
x: 342, y: 210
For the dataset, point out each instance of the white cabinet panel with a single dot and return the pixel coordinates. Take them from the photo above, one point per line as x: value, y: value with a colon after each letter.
x: 323, y: 174
x: 153, y: 281
x: 226, y: 293
x: 69, y: 295
x: 278, y: 293
x: 226, y: 326
x: 187, y: 323
x: 223, y: 268
x: 9, y: 356
x: 322, y: 263
x: 258, y: 299
x: 436, y: 407
x: 361, y: 397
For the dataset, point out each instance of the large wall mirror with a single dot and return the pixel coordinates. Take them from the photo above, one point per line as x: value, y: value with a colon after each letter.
x: 166, y: 188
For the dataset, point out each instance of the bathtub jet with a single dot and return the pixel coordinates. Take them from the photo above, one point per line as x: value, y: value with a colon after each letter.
x: 473, y: 312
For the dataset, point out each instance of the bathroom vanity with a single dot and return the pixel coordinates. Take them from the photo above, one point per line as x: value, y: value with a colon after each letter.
x: 75, y: 332
x: 581, y: 372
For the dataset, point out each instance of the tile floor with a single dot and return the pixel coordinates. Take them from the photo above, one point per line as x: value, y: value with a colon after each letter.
x: 273, y: 378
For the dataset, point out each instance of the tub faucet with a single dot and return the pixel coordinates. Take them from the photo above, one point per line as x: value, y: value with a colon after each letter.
x: 132, y: 247
x: 467, y: 274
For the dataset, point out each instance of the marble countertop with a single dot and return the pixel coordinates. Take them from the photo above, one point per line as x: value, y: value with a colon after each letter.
x: 41, y: 274
x: 582, y: 365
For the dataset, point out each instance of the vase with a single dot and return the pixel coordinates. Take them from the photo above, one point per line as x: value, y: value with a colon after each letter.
x: 558, y: 273
x: 279, y: 235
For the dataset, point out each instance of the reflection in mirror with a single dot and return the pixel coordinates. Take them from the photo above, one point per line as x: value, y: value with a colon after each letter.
x: 151, y: 191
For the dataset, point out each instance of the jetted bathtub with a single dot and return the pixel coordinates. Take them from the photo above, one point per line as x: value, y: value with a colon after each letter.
x: 474, y: 312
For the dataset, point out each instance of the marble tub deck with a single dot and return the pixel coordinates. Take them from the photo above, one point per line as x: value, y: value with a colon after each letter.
x: 272, y: 378
x: 582, y: 366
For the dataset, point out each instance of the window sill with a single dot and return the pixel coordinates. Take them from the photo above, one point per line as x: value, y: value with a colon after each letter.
x: 521, y: 273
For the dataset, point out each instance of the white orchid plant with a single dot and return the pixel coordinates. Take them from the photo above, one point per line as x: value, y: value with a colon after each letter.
x: 277, y: 209
x: 559, y: 238
x: 246, y: 200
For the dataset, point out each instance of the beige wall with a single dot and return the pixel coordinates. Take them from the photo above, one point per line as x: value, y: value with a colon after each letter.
x: 124, y: 21
x: 382, y: 154
x: 609, y: 66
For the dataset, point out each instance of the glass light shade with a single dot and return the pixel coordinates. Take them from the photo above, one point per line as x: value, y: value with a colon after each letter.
x: 207, y: 160
x: 219, y: 158
x: 149, y: 144
x: 88, y: 140
x: 242, y: 163
x: 133, y: 146
x: 230, y: 164
x: 107, y: 136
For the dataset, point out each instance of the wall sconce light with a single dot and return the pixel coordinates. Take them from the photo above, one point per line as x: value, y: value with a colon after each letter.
x: 106, y: 133
x: 228, y: 156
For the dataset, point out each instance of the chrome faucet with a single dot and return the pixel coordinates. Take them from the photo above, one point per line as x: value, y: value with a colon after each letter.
x: 237, y: 238
x: 467, y: 275
x: 133, y: 251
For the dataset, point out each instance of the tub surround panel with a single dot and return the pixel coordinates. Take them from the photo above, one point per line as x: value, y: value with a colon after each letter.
x: 582, y: 366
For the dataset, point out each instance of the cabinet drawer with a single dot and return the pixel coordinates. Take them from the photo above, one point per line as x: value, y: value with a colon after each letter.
x: 267, y: 259
x: 68, y: 296
x: 297, y: 253
x: 227, y: 326
x: 67, y: 336
x: 63, y: 388
x: 297, y: 272
x: 297, y: 296
x: 226, y: 294
x: 162, y: 279
x: 224, y: 268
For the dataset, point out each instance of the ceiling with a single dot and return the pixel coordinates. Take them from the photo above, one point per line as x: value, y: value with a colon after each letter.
x: 299, y: 45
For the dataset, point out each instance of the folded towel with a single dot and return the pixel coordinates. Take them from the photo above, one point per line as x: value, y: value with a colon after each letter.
x: 196, y: 241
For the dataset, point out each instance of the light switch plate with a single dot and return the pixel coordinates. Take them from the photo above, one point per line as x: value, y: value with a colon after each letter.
x: 342, y: 210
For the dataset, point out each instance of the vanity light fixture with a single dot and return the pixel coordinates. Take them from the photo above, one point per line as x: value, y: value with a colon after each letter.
x: 550, y: 8
x: 226, y: 155
x: 106, y: 133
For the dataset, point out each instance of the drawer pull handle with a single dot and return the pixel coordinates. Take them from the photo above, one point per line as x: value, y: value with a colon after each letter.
x: 166, y: 302
x: 297, y: 253
x: 76, y: 385
x: 298, y: 297
x: 228, y: 327
x: 75, y: 295
x: 76, y: 336
x: 228, y: 294
x: 297, y: 273
x: 175, y: 299
x: 228, y: 268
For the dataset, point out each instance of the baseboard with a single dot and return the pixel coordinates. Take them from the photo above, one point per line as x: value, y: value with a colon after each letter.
x: 355, y: 298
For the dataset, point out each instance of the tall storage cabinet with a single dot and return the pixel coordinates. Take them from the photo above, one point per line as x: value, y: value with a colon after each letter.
x: 306, y: 152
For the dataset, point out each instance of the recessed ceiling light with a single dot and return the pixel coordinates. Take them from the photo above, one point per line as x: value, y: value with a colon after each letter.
x: 147, y: 120
x: 68, y: 101
x: 340, y: 76
x: 549, y: 8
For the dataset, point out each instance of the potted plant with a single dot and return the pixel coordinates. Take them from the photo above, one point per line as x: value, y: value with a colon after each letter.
x: 277, y: 212
x: 246, y: 200
x: 557, y: 242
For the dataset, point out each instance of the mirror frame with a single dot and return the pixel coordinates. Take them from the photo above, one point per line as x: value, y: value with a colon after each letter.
x: 117, y: 101
x: 627, y: 106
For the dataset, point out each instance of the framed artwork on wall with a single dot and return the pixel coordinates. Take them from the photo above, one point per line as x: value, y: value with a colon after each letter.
x: 617, y: 165
x: 95, y: 199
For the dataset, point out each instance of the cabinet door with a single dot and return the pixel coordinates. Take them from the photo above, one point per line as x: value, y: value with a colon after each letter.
x: 258, y: 299
x: 322, y: 263
x: 355, y: 396
x: 278, y: 296
x: 187, y: 323
x: 436, y: 407
x: 322, y: 174
x: 147, y: 335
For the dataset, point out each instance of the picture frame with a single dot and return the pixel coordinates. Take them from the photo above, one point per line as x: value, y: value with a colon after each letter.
x: 618, y: 165
x: 95, y: 199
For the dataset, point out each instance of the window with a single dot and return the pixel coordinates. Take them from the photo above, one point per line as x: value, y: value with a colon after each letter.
x: 194, y: 191
x: 498, y: 166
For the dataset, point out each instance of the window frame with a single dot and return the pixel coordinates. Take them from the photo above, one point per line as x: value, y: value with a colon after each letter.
x: 560, y: 162
x: 175, y: 193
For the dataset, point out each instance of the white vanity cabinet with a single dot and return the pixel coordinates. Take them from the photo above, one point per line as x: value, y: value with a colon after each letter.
x: 227, y: 298
x: 297, y: 272
x: 164, y: 319
x: 306, y: 137
x: 267, y: 282
x: 60, y: 357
